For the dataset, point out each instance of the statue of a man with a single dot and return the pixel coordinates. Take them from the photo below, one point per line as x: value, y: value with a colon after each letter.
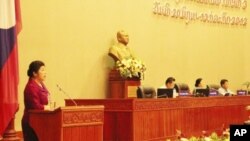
x: 120, y: 50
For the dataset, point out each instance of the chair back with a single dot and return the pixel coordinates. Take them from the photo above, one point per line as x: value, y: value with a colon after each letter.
x: 145, y: 92
x: 214, y: 86
x: 183, y: 87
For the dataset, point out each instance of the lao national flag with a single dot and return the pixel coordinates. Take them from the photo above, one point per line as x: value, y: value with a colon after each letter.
x: 10, y: 25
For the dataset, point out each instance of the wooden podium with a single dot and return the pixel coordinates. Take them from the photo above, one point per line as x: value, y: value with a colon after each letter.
x: 71, y: 123
x: 120, y: 87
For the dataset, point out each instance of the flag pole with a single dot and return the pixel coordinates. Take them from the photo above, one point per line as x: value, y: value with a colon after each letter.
x: 10, y: 133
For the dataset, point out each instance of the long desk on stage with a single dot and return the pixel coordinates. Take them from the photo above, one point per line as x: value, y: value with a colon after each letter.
x: 158, y: 119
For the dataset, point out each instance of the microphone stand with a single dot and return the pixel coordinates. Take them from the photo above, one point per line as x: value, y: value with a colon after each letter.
x: 60, y: 89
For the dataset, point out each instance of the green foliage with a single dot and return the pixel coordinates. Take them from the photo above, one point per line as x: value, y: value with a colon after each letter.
x: 130, y: 68
x: 247, y: 84
x: 193, y: 139
x: 212, y: 137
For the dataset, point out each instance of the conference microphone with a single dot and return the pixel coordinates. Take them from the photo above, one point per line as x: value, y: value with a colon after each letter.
x: 60, y: 89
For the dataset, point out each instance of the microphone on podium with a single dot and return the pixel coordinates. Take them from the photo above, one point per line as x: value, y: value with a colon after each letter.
x: 60, y: 89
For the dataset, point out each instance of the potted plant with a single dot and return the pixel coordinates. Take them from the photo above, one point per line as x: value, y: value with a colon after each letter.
x: 247, y: 84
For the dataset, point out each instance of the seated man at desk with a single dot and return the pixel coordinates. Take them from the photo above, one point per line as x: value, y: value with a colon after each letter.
x: 170, y: 84
x: 224, y: 89
x: 120, y: 50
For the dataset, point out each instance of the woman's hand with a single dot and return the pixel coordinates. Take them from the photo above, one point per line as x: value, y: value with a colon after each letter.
x: 47, y: 107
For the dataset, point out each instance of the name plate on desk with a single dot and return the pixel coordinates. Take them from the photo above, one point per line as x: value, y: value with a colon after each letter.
x: 213, y: 93
x: 241, y: 92
x: 183, y: 93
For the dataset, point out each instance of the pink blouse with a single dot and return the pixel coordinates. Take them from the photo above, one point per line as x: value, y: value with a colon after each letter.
x: 35, y: 97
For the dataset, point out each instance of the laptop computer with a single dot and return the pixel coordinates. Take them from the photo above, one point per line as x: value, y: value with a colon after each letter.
x: 165, y: 93
x: 202, y: 92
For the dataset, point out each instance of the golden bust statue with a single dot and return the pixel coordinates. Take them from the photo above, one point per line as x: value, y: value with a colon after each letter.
x: 120, y: 50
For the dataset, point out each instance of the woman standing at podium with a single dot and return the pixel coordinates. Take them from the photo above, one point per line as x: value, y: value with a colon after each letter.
x: 35, y: 97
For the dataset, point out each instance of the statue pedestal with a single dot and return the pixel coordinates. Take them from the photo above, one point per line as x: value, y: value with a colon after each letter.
x: 120, y: 87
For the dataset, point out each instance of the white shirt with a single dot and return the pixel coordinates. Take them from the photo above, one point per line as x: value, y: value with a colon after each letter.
x: 223, y: 91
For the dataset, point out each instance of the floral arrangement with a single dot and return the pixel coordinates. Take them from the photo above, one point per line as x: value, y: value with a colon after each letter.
x: 247, y: 84
x: 131, y: 68
x: 225, y: 136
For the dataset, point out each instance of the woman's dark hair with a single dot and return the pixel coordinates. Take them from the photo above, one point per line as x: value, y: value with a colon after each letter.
x: 170, y: 80
x: 223, y: 81
x: 197, y: 82
x: 34, y: 67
